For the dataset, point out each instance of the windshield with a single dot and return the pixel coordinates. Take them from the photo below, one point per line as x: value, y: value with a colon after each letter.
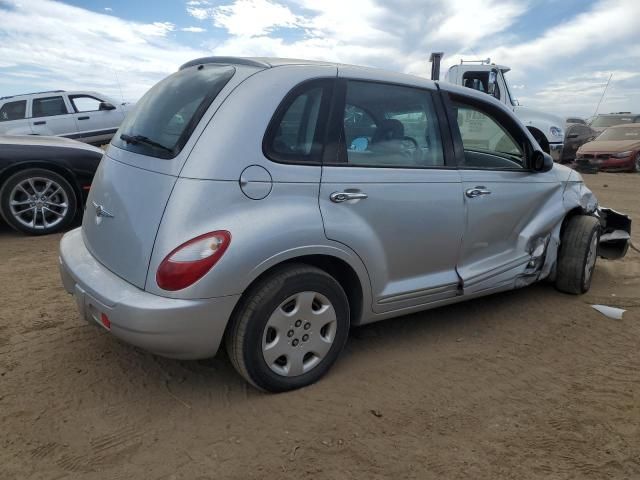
x: 514, y: 101
x: 610, y: 120
x: 164, y: 119
x: 624, y: 133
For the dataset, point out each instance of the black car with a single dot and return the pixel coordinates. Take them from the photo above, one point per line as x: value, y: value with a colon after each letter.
x: 44, y: 181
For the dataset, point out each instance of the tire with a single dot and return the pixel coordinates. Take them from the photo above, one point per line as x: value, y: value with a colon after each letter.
x: 578, y: 254
x: 636, y: 164
x: 267, y: 323
x: 22, y: 195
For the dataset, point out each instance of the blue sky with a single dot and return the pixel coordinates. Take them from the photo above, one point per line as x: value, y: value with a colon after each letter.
x: 561, y: 51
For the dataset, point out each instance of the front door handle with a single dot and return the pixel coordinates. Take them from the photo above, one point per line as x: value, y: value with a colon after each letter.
x: 339, y: 197
x: 477, y: 192
x: 83, y: 118
x: 41, y: 122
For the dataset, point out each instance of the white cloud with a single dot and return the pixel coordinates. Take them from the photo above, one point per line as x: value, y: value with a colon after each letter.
x: 156, y: 29
x: 194, y: 29
x: 108, y: 9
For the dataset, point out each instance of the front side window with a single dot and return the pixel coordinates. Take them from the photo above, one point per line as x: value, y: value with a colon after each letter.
x: 85, y: 103
x: 296, y: 133
x: 48, y: 107
x: 13, y: 111
x: 487, y: 143
x: 164, y: 119
x: 390, y: 126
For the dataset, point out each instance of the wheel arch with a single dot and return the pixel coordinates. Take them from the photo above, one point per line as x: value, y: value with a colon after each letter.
x: 540, y: 137
x: 53, y: 167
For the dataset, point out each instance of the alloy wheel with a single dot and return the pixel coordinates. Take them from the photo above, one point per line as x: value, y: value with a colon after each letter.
x: 38, y: 203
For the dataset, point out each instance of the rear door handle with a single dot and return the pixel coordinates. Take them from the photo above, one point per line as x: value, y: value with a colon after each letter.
x: 477, y: 192
x: 339, y: 197
x: 83, y: 118
x: 42, y: 122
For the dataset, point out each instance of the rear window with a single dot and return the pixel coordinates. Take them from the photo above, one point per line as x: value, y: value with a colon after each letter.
x: 166, y: 116
x: 610, y: 121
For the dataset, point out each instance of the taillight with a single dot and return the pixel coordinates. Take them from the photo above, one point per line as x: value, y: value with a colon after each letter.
x: 190, y: 261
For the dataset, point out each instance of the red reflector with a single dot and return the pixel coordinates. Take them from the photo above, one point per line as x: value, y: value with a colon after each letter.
x: 105, y: 321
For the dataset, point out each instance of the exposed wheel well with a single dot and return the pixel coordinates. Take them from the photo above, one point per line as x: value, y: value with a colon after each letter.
x: 338, y: 269
x: 63, y: 172
x: 540, y: 138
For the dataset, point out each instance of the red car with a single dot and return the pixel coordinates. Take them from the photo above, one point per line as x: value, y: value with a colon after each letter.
x: 615, y: 149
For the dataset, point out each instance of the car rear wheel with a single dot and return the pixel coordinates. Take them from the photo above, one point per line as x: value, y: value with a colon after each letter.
x: 37, y: 201
x: 578, y: 254
x: 289, y: 329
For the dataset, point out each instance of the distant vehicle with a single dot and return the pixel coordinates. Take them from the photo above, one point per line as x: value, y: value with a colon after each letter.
x: 274, y: 203
x: 605, y: 120
x: 487, y: 77
x: 576, y: 135
x: 85, y: 116
x: 44, y: 181
x: 615, y: 149
x: 575, y: 120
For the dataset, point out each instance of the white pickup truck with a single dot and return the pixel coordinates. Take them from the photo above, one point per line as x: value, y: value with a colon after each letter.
x: 86, y: 116
x: 490, y: 78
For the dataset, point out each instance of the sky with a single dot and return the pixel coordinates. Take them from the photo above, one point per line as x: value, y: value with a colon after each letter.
x: 561, y: 52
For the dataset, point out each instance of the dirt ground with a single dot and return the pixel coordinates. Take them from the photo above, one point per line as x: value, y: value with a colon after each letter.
x: 527, y: 384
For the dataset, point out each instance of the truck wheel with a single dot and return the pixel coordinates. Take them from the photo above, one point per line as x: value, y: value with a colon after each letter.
x: 578, y: 254
x: 37, y: 201
x: 289, y: 328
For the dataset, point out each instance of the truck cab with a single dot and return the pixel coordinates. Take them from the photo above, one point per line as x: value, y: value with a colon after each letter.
x: 490, y: 78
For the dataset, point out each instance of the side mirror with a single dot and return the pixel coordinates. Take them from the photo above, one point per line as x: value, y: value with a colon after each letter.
x: 493, y: 81
x: 106, y: 106
x: 541, y: 161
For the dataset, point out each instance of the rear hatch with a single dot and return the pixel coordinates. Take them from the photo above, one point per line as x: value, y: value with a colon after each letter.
x: 134, y: 181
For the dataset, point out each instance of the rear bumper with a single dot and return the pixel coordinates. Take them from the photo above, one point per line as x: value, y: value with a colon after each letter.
x: 185, y: 329
x: 555, y: 150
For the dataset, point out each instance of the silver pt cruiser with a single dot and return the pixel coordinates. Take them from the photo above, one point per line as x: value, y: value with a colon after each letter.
x: 272, y: 204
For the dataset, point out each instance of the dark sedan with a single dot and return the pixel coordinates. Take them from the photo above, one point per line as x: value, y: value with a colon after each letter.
x: 44, y: 181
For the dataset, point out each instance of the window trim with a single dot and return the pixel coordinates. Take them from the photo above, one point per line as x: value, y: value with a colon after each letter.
x: 34, y: 100
x: 494, y: 112
x: 339, y: 144
x: 15, y: 119
x: 80, y: 95
x: 314, y: 158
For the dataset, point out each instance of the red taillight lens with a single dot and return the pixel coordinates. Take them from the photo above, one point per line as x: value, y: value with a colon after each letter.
x: 191, y: 260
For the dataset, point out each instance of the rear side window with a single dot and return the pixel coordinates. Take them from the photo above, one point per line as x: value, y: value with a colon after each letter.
x: 13, y: 111
x: 48, y: 107
x: 296, y: 132
x: 390, y: 126
x: 164, y: 119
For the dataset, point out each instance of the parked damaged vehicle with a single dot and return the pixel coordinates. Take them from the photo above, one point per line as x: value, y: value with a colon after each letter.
x: 576, y: 135
x: 271, y: 204
x: 44, y: 181
x: 615, y: 149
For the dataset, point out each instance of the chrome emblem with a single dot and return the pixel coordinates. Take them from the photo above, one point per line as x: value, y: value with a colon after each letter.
x: 101, y: 212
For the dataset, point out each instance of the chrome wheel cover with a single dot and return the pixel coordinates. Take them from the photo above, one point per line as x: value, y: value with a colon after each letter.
x: 591, y: 259
x: 39, y: 203
x: 299, y: 334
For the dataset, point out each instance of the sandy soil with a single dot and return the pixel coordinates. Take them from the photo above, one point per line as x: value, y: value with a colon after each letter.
x: 528, y: 384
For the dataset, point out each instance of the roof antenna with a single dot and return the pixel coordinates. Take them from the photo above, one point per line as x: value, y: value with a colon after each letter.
x: 119, y: 87
x: 602, y: 97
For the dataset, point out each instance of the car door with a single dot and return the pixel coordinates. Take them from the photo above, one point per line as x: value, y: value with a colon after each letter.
x: 51, y: 116
x: 389, y: 192
x: 510, y: 208
x: 13, y: 118
x: 91, y: 119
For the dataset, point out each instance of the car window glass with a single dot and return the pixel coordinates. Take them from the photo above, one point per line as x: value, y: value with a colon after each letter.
x: 390, y: 125
x: 85, y: 104
x: 487, y: 144
x: 47, y: 107
x: 13, y: 111
x: 296, y: 130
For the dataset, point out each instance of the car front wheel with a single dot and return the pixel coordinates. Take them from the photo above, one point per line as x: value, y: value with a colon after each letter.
x: 578, y: 254
x: 289, y: 329
x: 37, y: 201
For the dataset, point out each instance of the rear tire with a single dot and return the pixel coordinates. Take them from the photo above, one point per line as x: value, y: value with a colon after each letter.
x: 578, y: 254
x: 37, y: 201
x: 289, y: 328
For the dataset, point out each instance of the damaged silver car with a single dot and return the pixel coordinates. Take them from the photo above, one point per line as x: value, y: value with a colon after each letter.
x: 271, y: 204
